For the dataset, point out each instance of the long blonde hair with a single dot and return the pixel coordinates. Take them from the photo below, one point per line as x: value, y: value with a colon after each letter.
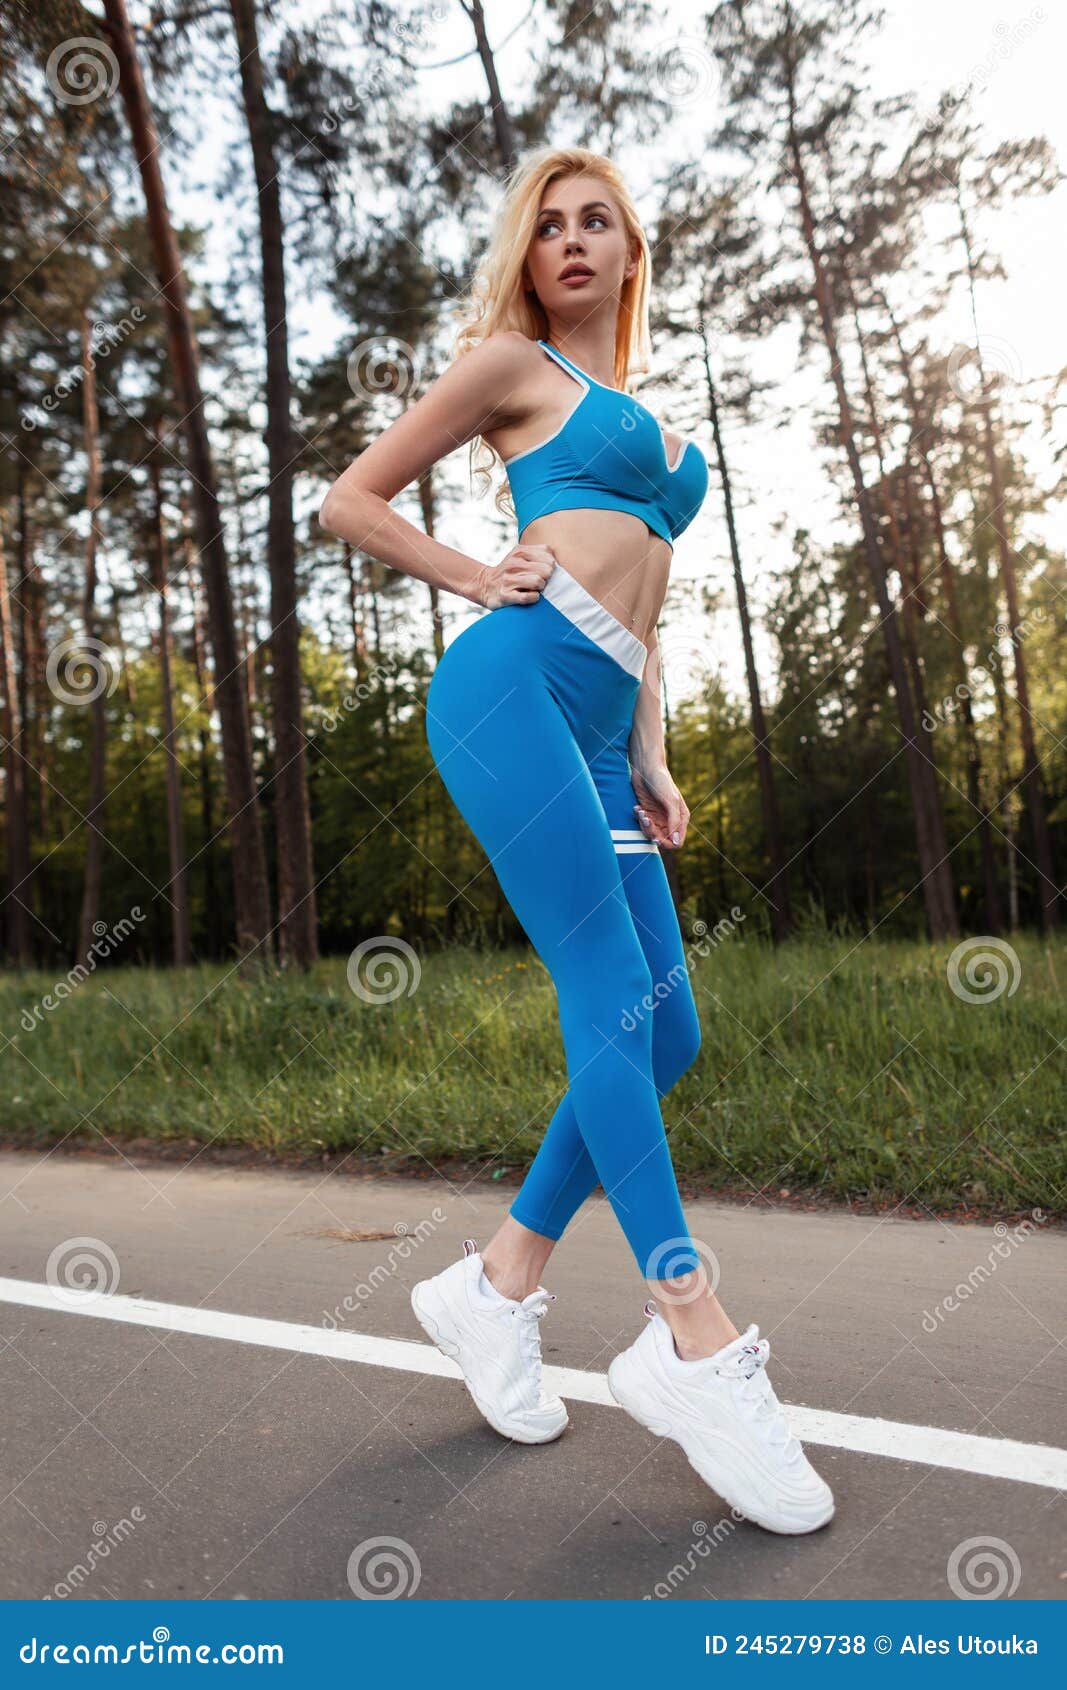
x: 497, y: 299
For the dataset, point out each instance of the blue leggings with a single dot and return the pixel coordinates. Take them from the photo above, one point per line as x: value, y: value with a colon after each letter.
x: 528, y: 718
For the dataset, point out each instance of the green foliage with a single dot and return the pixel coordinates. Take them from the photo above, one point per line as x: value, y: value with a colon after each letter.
x: 837, y: 1065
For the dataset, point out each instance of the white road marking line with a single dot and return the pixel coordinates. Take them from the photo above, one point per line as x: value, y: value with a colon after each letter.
x: 930, y: 1446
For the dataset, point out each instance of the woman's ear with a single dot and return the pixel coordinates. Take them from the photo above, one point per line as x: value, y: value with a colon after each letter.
x: 634, y: 260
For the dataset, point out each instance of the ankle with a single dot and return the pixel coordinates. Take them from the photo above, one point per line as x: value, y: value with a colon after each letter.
x: 512, y: 1279
x: 699, y: 1349
x: 698, y: 1329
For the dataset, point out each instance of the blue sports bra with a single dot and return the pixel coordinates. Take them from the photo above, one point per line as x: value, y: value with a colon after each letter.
x: 610, y: 455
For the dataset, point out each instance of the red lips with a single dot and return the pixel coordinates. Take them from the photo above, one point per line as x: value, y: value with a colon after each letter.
x: 574, y: 270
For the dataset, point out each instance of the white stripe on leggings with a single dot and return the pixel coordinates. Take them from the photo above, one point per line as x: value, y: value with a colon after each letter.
x: 630, y: 841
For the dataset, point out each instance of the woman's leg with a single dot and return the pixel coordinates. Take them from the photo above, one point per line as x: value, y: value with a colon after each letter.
x: 562, y: 1174
x: 507, y: 751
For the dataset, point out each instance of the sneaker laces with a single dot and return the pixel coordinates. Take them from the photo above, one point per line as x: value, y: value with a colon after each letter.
x: 529, y: 1313
x: 746, y: 1367
x: 757, y: 1392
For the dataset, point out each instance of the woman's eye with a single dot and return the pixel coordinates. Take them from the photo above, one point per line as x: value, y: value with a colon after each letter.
x: 595, y: 218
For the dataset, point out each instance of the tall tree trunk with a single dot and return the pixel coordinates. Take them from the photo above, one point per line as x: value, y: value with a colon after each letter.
x: 33, y: 681
x: 205, y: 693
x: 1048, y: 890
x: 297, y: 926
x: 919, y: 432
x: 781, y: 909
x: 355, y: 611
x: 94, y: 818
x: 908, y: 589
x: 429, y: 521
x: 178, y: 892
x: 938, y: 894
x: 1010, y: 805
x: 502, y: 126
x: 33, y: 687
x: 245, y: 603
x: 251, y: 890
x: 18, y: 833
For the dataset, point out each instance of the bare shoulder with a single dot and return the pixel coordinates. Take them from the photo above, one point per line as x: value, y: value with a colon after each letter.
x: 503, y: 365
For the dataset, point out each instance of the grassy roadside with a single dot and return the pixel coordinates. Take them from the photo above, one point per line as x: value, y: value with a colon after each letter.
x: 838, y: 1066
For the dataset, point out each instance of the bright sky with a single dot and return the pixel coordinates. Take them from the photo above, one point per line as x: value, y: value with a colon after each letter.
x: 1012, y: 55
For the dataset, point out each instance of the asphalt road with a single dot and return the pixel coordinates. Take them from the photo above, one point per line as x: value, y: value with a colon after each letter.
x: 141, y: 1462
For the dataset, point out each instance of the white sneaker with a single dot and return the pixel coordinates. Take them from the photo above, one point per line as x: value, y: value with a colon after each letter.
x: 497, y: 1343
x: 723, y: 1412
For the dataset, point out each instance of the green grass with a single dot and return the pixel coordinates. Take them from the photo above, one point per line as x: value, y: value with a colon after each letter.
x: 836, y: 1066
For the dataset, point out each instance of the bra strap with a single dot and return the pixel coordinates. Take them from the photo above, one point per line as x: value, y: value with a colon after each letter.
x: 554, y: 352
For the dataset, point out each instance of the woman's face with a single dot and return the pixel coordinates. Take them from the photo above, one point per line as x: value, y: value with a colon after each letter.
x: 580, y: 253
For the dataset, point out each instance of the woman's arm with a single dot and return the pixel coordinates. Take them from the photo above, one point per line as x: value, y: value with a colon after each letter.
x: 661, y: 810
x: 477, y: 393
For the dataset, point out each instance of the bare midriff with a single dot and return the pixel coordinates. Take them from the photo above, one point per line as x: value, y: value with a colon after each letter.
x: 614, y: 556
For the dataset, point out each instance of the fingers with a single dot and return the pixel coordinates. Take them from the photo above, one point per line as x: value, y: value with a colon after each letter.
x: 522, y: 576
x: 542, y: 554
x: 668, y: 828
x: 537, y: 560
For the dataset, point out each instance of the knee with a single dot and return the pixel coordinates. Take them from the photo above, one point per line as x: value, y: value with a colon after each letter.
x: 618, y: 993
x: 675, y: 1038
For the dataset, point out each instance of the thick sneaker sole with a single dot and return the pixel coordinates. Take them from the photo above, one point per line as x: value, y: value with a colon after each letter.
x: 716, y: 1476
x: 433, y: 1320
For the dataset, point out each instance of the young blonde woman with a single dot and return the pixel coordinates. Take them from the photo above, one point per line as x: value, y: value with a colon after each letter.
x: 544, y: 721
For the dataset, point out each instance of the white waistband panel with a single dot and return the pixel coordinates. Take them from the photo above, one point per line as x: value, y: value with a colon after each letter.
x: 579, y: 606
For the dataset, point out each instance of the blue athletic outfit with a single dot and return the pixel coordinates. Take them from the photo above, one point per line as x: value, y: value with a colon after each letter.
x: 528, y: 718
